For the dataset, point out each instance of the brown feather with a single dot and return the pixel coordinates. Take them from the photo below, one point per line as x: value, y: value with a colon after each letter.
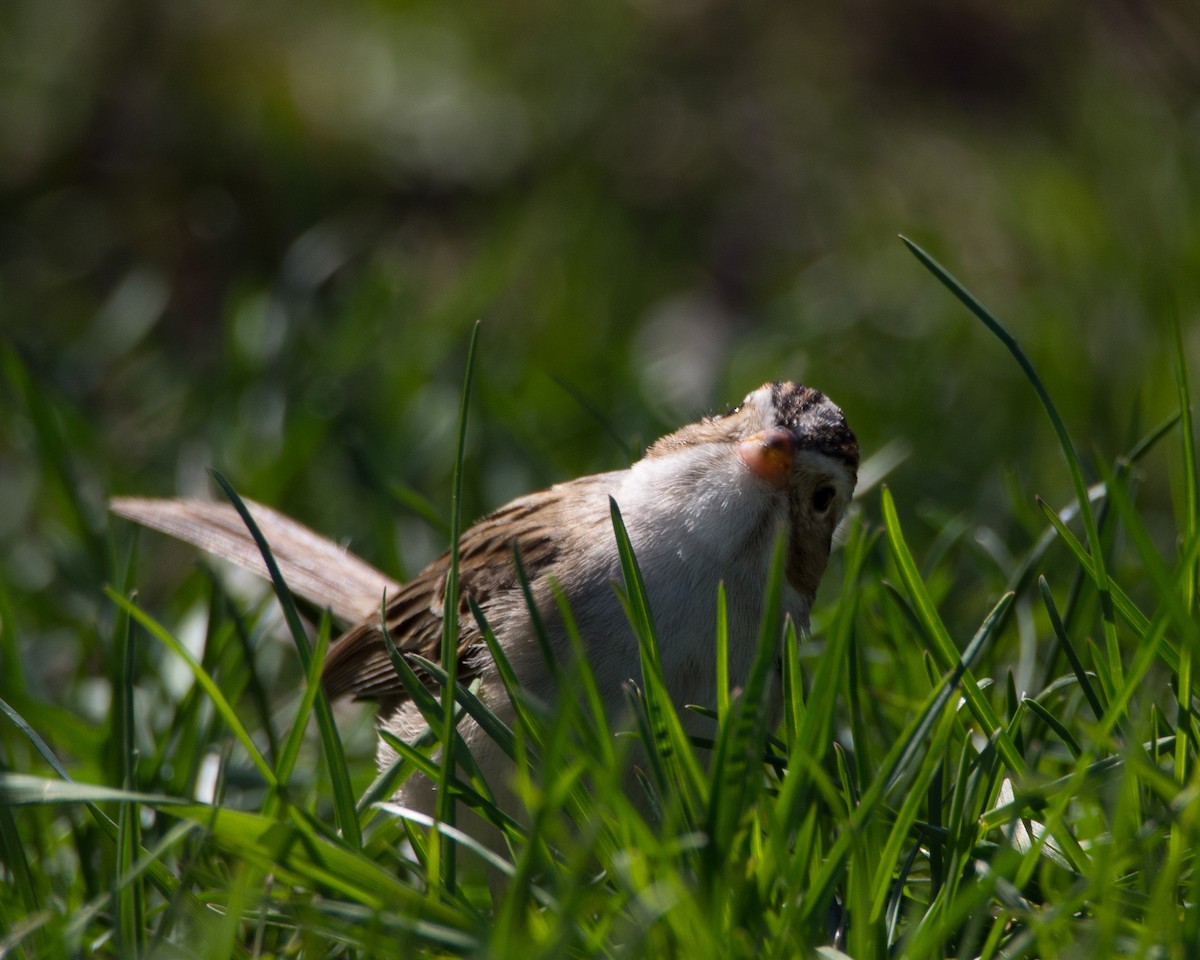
x: 313, y: 566
x: 359, y: 664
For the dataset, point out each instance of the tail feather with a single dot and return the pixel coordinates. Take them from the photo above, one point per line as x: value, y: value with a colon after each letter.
x: 313, y: 566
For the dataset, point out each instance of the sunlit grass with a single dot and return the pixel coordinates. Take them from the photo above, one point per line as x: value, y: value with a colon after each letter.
x: 912, y: 801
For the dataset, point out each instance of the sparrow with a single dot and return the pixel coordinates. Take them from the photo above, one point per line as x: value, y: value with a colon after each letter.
x: 703, y: 506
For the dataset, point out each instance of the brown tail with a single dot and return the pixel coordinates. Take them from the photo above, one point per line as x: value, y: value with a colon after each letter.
x: 312, y: 566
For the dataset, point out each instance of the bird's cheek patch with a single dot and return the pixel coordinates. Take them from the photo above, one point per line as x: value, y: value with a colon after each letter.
x: 769, y: 454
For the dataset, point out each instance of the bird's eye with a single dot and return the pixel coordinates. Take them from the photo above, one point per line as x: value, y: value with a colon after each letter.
x: 822, y: 497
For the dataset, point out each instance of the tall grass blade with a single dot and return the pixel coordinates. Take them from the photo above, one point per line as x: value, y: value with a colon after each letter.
x: 222, y: 705
x: 290, y: 752
x: 1060, y: 430
x: 331, y: 743
x: 904, y: 765
x: 722, y: 642
x: 1191, y: 473
x: 735, y: 776
x: 519, y: 699
x: 1189, y: 578
x: 1060, y: 729
x: 536, y: 624
x: 596, y: 722
x: 499, y: 731
x: 464, y: 840
x: 668, y: 739
x: 602, y: 420
x: 814, y: 720
x: 1085, y: 682
x: 942, y: 646
x: 1128, y: 610
x: 130, y: 904
x: 444, y: 872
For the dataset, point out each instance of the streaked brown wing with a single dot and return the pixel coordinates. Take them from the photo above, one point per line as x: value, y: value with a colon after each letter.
x: 359, y: 664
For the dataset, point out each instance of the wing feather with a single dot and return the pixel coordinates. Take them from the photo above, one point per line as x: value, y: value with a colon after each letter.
x: 359, y: 664
x: 313, y: 566
x: 327, y: 574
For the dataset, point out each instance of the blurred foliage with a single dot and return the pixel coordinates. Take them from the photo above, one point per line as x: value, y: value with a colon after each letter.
x: 256, y: 236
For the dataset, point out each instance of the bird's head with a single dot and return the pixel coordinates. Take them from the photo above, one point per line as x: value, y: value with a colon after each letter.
x: 785, y: 453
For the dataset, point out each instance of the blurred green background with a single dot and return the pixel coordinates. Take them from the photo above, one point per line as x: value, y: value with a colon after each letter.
x: 256, y: 237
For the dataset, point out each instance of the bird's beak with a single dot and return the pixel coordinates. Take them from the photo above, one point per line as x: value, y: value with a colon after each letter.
x: 769, y: 454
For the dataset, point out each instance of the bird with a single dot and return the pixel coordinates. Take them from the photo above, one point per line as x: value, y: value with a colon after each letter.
x: 702, y: 506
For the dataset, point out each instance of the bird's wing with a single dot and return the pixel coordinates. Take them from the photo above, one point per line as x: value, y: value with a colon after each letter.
x: 358, y: 663
x: 329, y: 575
x: 312, y: 566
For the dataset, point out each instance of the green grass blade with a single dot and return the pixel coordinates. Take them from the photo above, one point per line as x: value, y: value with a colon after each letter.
x: 291, y: 851
x: 794, y: 707
x: 536, y: 624
x: 1032, y: 799
x: 1060, y: 729
x: 604, y: 422
x: 256, y: 688
x: 424, y: 508
x: 914, y: 742
x: 331, y: 744
x: 1060, y: 431
x: 421, y: 696
x: 655, y: 757
x: 519, y: 699
x: 223, y: 706
x: 286, y: 601
x: 735, y: 778
x: 888, y: 859
x: 433, y: 715
x: 444, y: 868
x: 496, y: 729
x: 943, y: 647
x: 815, y: 733
x: 596, y: 729
x: 130, y: 904
x: 814, y: 720
x: 668, y: 738
x: 1128, y: 610
x: 312, y: 689
x: 722, y: 641
x: 464, y: 840
x: 389, y: 780
x: 1191, y: 478
x: 26, y: 790
x: 1189, y: 580
x: 25, y: 884
x: 1060, y: 631
x: 141, y: 868
x: 1172, y: 591
x: 460, y: 790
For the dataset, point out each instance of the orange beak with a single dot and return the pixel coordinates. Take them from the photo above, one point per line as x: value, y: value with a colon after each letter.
x: 769, y: 454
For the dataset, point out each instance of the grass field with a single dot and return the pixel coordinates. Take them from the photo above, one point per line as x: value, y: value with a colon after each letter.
x: 260, y: 240
x: 917, y: 799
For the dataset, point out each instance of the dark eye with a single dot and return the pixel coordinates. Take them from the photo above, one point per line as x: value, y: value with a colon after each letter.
x: 822, y: 497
